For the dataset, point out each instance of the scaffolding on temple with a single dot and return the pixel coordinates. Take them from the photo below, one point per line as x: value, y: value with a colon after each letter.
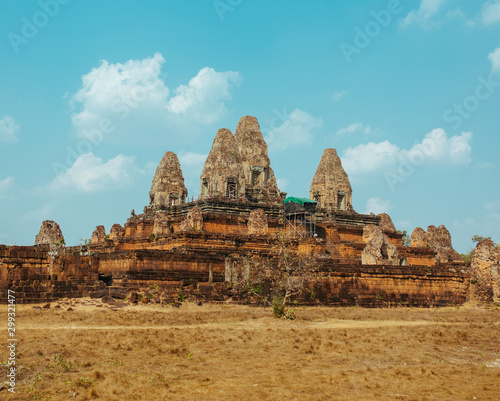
x: 300, y: 217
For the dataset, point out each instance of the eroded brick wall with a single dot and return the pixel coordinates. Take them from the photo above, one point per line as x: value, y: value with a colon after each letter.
x: 45, y: 273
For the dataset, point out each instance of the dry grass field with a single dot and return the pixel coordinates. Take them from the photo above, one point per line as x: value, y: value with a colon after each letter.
x: 224, y: 352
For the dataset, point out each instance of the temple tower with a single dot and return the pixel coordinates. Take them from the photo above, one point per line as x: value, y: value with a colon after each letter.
x: 260, y: 183
x: 330, y: 186
x: 168, y: 187
x: 50, y: 233
x: 222, y: 173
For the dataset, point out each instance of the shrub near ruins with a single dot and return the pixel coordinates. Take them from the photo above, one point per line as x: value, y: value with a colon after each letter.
x: 285, y: 273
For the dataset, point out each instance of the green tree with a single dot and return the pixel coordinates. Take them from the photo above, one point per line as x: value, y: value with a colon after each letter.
x: 406, y: 240
x: 467, y: 257
x: 285, y: 271
x: 478, y: 238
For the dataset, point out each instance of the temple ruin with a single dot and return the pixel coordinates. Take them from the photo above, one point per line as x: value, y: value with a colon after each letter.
x: 485, y: 269
x: 222, y: 173
x: 50, y: 233
x: 194, y: 247
x: 168, y: 187
x: 260, y: 183
x: 330, y: 186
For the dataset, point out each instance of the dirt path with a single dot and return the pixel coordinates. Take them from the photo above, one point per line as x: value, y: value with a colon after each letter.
x: 251, y: 325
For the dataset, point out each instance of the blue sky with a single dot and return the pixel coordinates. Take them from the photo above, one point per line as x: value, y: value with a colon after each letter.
x: 93, y: 93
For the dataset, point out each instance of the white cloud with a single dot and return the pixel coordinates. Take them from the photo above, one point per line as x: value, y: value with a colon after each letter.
x: 8, y: 129
x: 356, y: 128
x: 460, y: 224
x: 90, y: 174
x: 490, y: 14
x: 404, y: 224
x: 5, y: 185
x: 350, y: 129
x: 492, y: 206
x: 192, y: 159
x: 283, y: 183
x: 203, y: 98
x: 436, y: 147
x: 43, y: 213
x: 494, y: 57
x: 339, y: 95
x: 136, y: 80
x: 457, y: 13
x: 485, y: 165
x: 125, y: 99
x: 426, y: 12
x: 297, y: 130
x: 369, y: 157
x: 377, y: 205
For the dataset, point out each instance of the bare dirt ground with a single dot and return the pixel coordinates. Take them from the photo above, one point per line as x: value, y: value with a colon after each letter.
x: 224, y: 352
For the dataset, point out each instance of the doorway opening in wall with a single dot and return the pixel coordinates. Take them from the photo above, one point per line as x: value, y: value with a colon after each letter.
x: 341, y: 204
x: 172, y: 199
x: 106, y: 279
x: 231, y: 188
x: 204, y: 187
x: 255, y: 177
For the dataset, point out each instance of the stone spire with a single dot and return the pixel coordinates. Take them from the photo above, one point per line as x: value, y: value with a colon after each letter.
x: 440, y: 241
x: 485, y: 269
x: 419, y: 238
x: 50, y: 233
x: 330, y: 186
x: 386, y: 223
x: 378, y: 249
x: 260, y: 182
x: 168, y: 187
x: 222, y: 173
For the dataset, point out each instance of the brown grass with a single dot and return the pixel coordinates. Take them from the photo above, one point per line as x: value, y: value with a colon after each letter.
x: 216, y: 352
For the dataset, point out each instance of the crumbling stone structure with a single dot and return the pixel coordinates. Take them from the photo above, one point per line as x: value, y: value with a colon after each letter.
x: 485, y: 269
x: 378, y: 249
x: 436, y: 242
x: 260, y: 183
x: 193, y: 220
x: 330, y: 186
x: 162, y: 224
x: 257, y: 222
x: 440, y: 241
x: 168, y: 187
x: 99, y: 235
x: 189, y: 247
x: 222, y: 174
x: 50, y: 234
x: 116, y: 233
x: 45, y: 273
x: 419, y: 238
x: 386, y: 223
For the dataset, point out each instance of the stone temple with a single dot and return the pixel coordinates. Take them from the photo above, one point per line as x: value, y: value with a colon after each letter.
x: 222, y: 173
x: 168, y: 187
x: 330, y: 186
x: 193, y: 247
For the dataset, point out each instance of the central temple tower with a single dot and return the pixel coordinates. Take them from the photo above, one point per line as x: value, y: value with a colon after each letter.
x: 260, y: 183
x: 238, y: 165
